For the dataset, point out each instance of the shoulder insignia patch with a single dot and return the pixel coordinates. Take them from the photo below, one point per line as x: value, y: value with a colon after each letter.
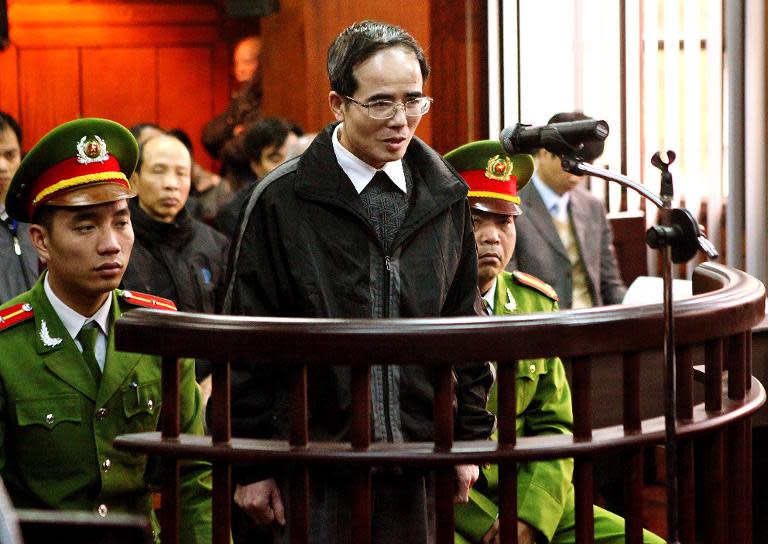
x: 15, y: 314
x: 147, y: 301
x: 535, y: 283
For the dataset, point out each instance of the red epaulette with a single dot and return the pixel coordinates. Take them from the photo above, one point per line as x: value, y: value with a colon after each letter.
x: 15, y: 314
x: 148, y: 301
x: 536, y: 283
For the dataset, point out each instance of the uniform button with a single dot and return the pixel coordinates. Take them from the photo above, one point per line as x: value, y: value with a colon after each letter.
x: 101, y: 413
x: 106, y: 465
x: 102, y: 510
x: 532, y: 368
x: 150, y: 405
x: 49, y: 419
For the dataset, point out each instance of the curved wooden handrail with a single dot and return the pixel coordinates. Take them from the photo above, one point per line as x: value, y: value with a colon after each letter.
x: 717, y: 322
x: 733, y: 309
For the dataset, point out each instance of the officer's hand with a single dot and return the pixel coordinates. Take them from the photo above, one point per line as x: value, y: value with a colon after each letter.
x: 262, y: 501
x: 466, y: 476
x: 525, y: 533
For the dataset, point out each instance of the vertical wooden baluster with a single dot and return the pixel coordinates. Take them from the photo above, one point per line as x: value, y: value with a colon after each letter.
x: 737, y: 378
x: 633, y: 475
x: 582, y: 472
x: 506, y: 395
x: 715, y: 522
x: 445, y: 476
x: 298, y: 415
x: 171, y: 492
x: 360, y: 437
x: 221, y: 435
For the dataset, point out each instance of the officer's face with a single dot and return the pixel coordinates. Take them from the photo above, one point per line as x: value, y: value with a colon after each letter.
x: 165, y: 178
x: 549, y: 169
x: 495, y: 236
x: 10, y: 157
x: 86, y: 249
x: 390, y: 74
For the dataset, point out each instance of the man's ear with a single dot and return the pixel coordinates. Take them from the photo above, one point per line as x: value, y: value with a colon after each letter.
x: 135, y: 181
x: 41, y: 240
x: 336, y: 102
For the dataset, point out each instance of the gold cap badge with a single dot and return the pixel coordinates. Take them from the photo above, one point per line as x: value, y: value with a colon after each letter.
x: 499, y: 168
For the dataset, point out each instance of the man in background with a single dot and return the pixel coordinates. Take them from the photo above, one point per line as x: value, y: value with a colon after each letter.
x: 175, y: 256
x: 564, y: 237
x: 18, y: 259
x: 243, y: 108
x: 266, y: 144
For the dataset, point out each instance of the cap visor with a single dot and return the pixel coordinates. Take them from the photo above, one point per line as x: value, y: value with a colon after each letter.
x: 494, y: 205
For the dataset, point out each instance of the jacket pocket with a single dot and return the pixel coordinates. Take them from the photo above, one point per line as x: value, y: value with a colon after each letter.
x: 48, y: 412
x: 141, y: 398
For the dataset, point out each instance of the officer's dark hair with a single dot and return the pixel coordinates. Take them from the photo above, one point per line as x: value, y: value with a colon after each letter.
x: 591, y: 150
x: 44, y: 216
x: 360, y: 41
x: 143, y: 145
x: 270, y: 131
x: 7, y: 121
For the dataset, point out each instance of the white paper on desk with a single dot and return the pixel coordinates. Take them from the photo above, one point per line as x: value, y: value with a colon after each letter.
x: 650, y: 290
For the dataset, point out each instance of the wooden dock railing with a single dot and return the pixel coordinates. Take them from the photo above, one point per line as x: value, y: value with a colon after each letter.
x: 713, y: 331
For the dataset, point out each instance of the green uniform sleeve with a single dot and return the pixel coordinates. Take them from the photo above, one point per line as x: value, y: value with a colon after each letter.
x: 542, y: 486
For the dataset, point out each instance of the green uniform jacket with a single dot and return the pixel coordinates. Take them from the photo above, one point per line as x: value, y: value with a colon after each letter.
x: 57, y: 424
x: 544, y: 489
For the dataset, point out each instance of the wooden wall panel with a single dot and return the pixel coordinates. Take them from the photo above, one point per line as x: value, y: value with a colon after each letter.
x: 185, y: 97
x: 49, y: 84
x: 296, y: 42
x: 119, y: 84
x: 9, y: 88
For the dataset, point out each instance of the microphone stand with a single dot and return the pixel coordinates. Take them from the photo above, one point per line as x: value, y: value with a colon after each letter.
x: 679, y: 238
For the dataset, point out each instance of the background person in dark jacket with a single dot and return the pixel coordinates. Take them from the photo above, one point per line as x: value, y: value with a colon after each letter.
x: 18, y: 259
x: 266, y: 144
x: 174, y: 256
x: 368, y: 223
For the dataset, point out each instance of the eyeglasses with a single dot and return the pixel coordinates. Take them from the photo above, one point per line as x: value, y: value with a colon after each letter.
x: 386, y: 109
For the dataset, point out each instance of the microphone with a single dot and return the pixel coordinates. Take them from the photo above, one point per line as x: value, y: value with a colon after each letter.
x: 558, y: 138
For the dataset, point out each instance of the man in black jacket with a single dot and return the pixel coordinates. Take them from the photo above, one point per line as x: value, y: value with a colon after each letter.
x: 18, y: 258
x: 368, y: 223
x: 174, y: 255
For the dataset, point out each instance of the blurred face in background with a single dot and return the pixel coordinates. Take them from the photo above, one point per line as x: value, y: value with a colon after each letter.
x: 550, y: 171
x: 246, y: 59
x: 10, y: 157
x: 273, y: 156
x: 164, y: 179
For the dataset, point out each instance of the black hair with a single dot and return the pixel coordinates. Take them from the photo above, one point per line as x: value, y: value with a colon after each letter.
x: 270, y: 131
x: 360, y: 41
x: 590, y: 150
x: 7, y: 120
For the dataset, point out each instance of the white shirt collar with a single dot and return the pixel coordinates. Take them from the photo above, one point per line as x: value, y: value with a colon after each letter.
x: 490, y: 295
x: 72, y: 320
x: 551, y: 198
x: 361, y: 173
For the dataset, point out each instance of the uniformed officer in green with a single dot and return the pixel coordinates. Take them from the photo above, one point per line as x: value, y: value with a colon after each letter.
x: 545, y: 497
x: 65, y: 392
